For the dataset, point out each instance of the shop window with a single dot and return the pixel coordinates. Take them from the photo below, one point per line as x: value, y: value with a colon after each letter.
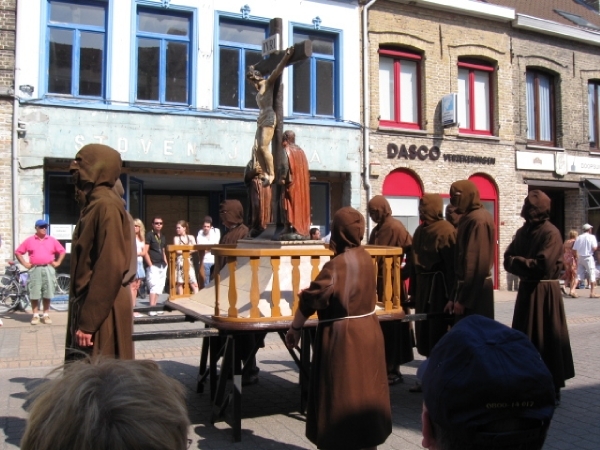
x: 315, y: 89
x: 475, y: 98
x: 163, y: 41
x: 540, y: 107
x: 593, y: 111
x: 399, y: 89
x: 76, y: 37
x: 240, y: 45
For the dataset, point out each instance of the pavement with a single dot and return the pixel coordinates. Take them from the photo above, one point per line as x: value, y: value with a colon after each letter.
x: 271, y: 419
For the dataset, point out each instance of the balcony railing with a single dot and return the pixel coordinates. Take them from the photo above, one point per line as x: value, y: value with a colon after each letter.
x: 228, y: 296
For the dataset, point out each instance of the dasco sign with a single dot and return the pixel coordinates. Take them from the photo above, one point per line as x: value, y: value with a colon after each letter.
x: 413, y: 152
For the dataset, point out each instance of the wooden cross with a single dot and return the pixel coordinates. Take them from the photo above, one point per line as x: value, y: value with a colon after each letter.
x: 302, y: 51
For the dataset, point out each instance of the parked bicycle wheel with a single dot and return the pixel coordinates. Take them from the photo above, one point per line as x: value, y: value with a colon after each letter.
x: 10, y: 296
x: 63, y: 282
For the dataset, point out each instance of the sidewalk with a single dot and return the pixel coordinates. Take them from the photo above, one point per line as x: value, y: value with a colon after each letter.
x: 270, y: 408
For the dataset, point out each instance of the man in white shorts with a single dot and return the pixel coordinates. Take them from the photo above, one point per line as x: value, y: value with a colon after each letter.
x: 156, y: 260
x: 585, y: 245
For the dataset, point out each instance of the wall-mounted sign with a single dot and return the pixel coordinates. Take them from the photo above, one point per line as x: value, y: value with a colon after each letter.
x: 61, y: 232
x: 449, y: 110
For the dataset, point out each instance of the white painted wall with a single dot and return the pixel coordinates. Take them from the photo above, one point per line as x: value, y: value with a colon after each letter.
x: 333, y: 14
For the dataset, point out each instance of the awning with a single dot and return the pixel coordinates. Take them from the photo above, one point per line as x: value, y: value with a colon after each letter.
x: 593, y: 182
x: 555, y: 183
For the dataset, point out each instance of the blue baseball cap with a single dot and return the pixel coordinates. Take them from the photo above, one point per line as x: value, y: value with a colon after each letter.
x: 41, y: 223
x: 482, y: 373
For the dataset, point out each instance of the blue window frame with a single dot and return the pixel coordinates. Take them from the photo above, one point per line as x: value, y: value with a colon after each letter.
x: 314, y: 83
x: 240, y: 45
x: 76, y: 37
x: 163, y: 46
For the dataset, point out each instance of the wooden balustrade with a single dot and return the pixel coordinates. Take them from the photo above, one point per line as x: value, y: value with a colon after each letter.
x: 389, y: 257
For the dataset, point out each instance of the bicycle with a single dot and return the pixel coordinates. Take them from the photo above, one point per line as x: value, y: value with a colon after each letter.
x: 14, y: 295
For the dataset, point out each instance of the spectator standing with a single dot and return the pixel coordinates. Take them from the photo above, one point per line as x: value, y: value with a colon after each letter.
x: 585, y: 245
x: 315, y: 234
x: 348, y: 404
x: 475, y: 241
x: 140, y: 246
x: 208, y: 235
x: 102, y: 259
x: 182, y: 238
x: 45, y: 255
x: 535, y: 255
x: 486, y: 387
x: 396, y: 335
x: 156, y: 261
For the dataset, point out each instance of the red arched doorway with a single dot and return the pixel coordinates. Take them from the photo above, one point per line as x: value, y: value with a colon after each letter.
x: 488, y: 193
x: 403, y: 190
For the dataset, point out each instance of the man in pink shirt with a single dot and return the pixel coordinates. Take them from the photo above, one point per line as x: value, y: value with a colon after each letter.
x: 45, y: 254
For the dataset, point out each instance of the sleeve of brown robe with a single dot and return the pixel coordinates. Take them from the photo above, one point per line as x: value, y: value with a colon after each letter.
x: 318, y: 294
x: 548, y: 250
x: 111, y: 248
x: 476, y: 264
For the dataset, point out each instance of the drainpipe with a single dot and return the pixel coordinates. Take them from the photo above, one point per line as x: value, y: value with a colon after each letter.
x: 366, y: 106
x: 20, y: 25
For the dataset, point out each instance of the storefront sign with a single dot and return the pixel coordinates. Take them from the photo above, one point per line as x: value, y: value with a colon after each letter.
x: 61, y: 232
x: 433, y: 153
x: 412, y: 152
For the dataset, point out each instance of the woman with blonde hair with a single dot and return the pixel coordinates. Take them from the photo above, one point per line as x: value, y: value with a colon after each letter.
x: 570, y: 263
x: 140, y: 244
x: 182, y: 238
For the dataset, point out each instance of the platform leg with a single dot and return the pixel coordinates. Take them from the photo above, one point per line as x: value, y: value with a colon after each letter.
x: 237, y: 398
x: 202, y: 371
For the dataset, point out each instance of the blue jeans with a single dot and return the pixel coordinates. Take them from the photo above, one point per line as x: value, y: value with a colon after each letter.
x: 207, y: 267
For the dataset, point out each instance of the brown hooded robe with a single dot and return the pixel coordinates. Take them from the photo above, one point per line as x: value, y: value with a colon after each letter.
x: 535, y: 256
x: 349, y: 404
x: 475, y: 241
x: 432, y: 270
x: 101, y: 254
x: 391, y: 232
x: 232, y: 211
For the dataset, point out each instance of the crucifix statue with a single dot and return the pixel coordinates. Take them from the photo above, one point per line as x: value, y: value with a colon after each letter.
x: 267, y: 163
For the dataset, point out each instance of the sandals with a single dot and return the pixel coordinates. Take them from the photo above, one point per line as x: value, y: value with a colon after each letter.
x: 594, y: 295
x: 394, y: 378
x: 574, y: 294
x: 416, y: 388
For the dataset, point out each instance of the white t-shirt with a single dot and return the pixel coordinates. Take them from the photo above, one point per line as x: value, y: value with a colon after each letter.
x: 212, y: 238
x: 585, y: 244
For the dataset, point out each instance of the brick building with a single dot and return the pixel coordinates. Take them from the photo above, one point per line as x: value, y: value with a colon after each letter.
x: 502, y: 64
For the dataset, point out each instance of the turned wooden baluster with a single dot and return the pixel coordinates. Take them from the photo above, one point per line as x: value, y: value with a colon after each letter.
x: 295, y: 282
x: 314, y: 261
x: 186, y: 273
x: 276, y: 289
x: 217, y: 286
x: 396, y: 276
x: 254, y: 290
x: 387, y: 283
x: 173, y: 272
x: 232, y: 294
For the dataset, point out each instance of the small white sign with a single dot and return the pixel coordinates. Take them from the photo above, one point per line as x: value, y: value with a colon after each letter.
x: 449, y: 110
x: 62, y: 232
x: 270, y: 45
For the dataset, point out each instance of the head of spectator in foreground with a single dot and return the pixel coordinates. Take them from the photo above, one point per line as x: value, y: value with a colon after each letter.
x: 108, y: 404
x: 347, y: 230
x: 485, y: 386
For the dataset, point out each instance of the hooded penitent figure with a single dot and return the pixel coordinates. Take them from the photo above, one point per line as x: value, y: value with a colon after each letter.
x: 397, y: 335
x: 101, y: 255
x: 231, y: 213
x: 348, y: 405
x: 432, y: 270
x: 535, y: 256
x: 475, y: 241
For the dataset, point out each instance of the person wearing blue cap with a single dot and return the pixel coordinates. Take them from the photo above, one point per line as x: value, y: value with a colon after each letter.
x: 485, y: 386
x: 45, y: 254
